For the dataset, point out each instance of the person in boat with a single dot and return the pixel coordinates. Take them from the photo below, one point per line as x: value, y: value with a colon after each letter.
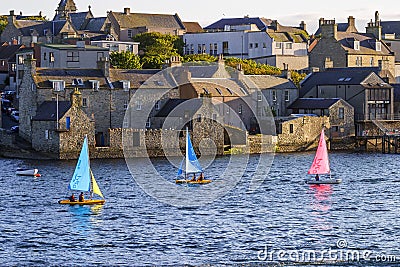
x: 201, y: 177
x: 81, y: 197
x: 317, y: 177
x: 72, y: 198
x: 193, y: 178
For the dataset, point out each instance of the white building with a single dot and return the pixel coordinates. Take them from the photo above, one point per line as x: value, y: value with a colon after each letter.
x: 275, y: 45
x: 117, y: 46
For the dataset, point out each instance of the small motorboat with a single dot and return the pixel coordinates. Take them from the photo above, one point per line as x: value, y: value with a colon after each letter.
x: 28, y: 172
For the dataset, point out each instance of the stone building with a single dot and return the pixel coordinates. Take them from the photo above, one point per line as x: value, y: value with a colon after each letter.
x: 370, y: 96
x: 341, y: 45
x: 339, y: 112
x: 8, y: 63
x: 59, y: 127
x: 125, y: 25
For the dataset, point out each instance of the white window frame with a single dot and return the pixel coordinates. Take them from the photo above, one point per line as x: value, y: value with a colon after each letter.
x: 157, y: 105
x: 58, y: 85
x: 126, y: 85
x: 85, y: 102
x: 95, y: 84
x: 126, y: 103
x: 274, y: 98
x: 138, y: 105
x: 148, y: 123
x: 287, y: 95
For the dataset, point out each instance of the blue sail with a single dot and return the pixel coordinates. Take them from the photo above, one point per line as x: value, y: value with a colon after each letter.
x: 81, y: 178
x: 192, y: 164
x: 180, y: 171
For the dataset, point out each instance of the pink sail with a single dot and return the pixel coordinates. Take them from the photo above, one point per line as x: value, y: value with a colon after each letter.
x: 320, y: 164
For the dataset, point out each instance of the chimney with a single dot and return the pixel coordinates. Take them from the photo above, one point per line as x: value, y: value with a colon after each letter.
x: 175, y: 61
x: 303, y: 25
x: 76, y: 99
x: 104, y: 65
x: 127, y: 10
x: 375, y: 28
x: 30, y: 66
x: 351, y: 24
x: 285, y: 72
x: 328, y: 28
x: 11, y: 18
x: 275, y: 25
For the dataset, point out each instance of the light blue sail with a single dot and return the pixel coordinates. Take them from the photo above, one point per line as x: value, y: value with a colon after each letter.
x: 81, y: 178
x: 180, y: 171
x: 192, y: 164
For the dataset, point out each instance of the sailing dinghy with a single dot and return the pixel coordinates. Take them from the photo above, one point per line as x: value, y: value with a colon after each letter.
x: 320, y: 165
x: 83, y: 180
x: 190, y: 166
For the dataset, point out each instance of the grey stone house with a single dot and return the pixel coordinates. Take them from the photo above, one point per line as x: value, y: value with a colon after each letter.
x: 370, y: 96
x: 339, y: 112
x: 60, y: 126
x: 338, y: 45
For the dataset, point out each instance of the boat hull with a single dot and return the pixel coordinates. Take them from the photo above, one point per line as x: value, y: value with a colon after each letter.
x: 86, y: 202
x: 332, y: 181
x: 27, y: 172
x: 205, y: 181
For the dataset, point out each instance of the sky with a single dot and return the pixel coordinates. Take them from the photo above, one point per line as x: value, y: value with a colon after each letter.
x: 288, y: 13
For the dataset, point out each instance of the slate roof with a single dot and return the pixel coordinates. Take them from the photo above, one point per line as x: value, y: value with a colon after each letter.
x: 44, y: 77
x: 215, y: 87
x: 341, y: 27
x: 137, y: 78
x: 366, y: 43
x: 47, y: 111
x: 261, y: 23
x: 134, y: 20
x: 95, y: 24
x: 396, y: 89
x: 185, y: 105
x: 313, y: 103
x: 79, y: 18
x: 40, y: 26
x: 337, y: 76
x: 287, y: 37
x: 8, y: 52
x: 271, y: 82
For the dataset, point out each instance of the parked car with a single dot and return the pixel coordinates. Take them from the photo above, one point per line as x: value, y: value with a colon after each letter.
x: 15, y: 115
x: 10, y: 110
x: 5, y: 103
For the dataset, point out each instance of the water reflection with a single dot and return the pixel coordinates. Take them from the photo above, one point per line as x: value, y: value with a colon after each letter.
x: 83, y: 217
x: 321, y: 205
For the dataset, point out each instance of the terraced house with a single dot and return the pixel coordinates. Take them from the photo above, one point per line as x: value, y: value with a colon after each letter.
x: 339, y: 45
x: 260, y: 39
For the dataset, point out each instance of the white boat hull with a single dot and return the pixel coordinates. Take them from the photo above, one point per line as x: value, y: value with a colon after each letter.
x: 27, y: 172
x: 330, y: 181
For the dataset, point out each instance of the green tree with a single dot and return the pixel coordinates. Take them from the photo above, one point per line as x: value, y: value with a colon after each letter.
x: 155, y: 48
x: 250, y: 67
x: 199, y: 58
x: 297, y: 77
x: 125, y: 60
x: 3, y: 23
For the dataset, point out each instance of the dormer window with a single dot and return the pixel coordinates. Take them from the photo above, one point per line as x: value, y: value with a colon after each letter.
x: 356, y: 45
x: 95, y: 84
x: 58, y: 85
x: 378, y: 46
x: 126, y: 85
x: 77, y: 81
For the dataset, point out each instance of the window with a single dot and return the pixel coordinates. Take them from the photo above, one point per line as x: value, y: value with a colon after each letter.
x: 20, y: 59
x: 251, y: 45
x: 259, y: 96
x: 138, y: 105
x: 273, y: 95
x: 72, y: 56
x: 371, y: 62
x: 264, y: 45
x: 255, y: 45
x: 148, y: 123
x: 287, y: 95
x: 378, y: 46
x: 341, y: 113
x: 291, y: 128
x: 288, y: 45
x: 100, y: 55
x: 46, y: 134
x: 240, y: 109
x: 203, y: 48
x: 198, y: 117
x: 58, y: 85
x: 13, y: 67
x: 84, y: 102
x: 95, y: 85
x: 44, y: 56
x: 278, y: 45
x: 157, y: 105
x: 126, y: 102
x: 126, y: 85
x: 356, y: 45
x: 225, y: 47
x: 130, y: 33
x: 199, y: 49
x: 77, y: 81
x: 51, y: 57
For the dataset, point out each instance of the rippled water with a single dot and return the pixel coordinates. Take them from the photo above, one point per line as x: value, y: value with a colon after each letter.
x: 135, y: 229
